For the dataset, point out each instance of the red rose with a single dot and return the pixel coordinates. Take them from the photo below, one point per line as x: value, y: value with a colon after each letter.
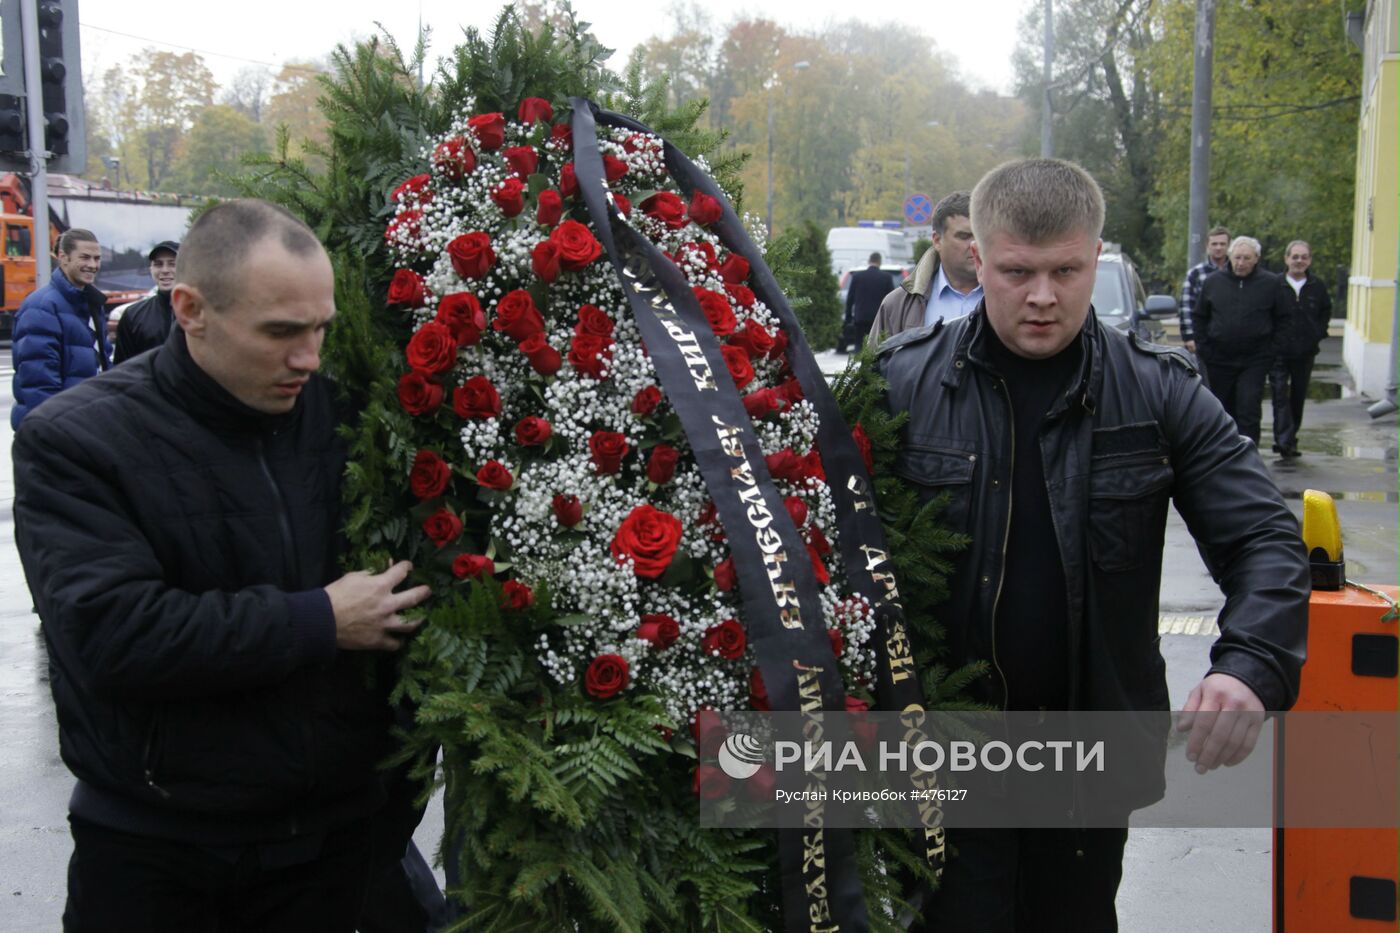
x: 531, y: 431
x: 535, y: 108
x: 419, y: 395
x: 725, y: 576
x: 431, y: 349
x: 790, y: 390
x: 415, y: 187
x: 561, y: 133
x: 516, y: 595
x: 650, y: 537
x: 780, y: 342
x: 741, y: 295
x: 761, y: 403
x: 818, y: 566
x: 494, y: 475
x: 645, y: 401
x: 589, y: 355
x: 472, y: 565
x: 461, y: 313
x: 661, y: 465
x: 734, y: 269
x: 758, y: 691
x: 606, y: 675
x: 856, y: 705
x: 607, y: 448
x: 786, y: 465
x: 406, y: 288
x: 710, y: 783
x: 523, y: 160
x: 727, y: 639
x: 592, y: 321
x: 738, y: 362
x: 863, y: 445
x: 659, y: 629
x: 544, y: 260
x: 703, y: 209
x: 429, y: 476
x: 838, y: 641
x: 666, y: 208
x: 510, y: 196
x: 471, y: 255
x: 567, y: 510
x: 476, y: 398
x: 812, y: 465
x: 624, y: 206
x: 568, y: 180
x: 442, y: 527
x: 550, y: 209
x: 517, y: 317
x: 753, y: 338
x: 408, y: 225
x: 704, y: 250
x: 577, y: 245
x: 817, y: 539
x: 717, y: 311
x: 543, y: 358
x: 490, y: 130
x: 454, y: 157
x: 613, y: 167
x: 708, y: 513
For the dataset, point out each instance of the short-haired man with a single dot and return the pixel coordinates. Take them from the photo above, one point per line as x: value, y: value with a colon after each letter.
x: 1307, y: 310
x: 219, y: 683
x: 944, y: 283
x: 1217, y: 258
x: 1239, y: 320
x: 145, y: 324
x: 864, y: 292
x: 60, y: 337
x: 1060, y: 444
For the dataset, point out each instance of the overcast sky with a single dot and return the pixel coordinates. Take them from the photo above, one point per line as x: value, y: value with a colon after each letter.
x: 233, y: 35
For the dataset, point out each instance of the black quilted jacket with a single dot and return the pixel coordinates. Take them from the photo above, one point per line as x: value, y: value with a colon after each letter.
x: 176, y: 544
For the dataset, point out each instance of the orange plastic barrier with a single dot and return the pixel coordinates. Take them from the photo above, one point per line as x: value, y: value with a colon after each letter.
x: 1337, y: 880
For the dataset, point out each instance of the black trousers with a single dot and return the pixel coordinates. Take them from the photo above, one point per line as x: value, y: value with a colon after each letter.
x: 1029, y: 881
x: 1240, y: 388
x: 1288, y: 386
x: 120, y: 883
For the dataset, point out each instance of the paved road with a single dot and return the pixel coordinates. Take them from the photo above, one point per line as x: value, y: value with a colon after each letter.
x: 1174, y: 880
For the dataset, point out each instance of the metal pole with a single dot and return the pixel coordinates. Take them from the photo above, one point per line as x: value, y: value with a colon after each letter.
x: 1197, y: 219
x: 38, y: 155
x: 770, y: 163
x: 1047, y: 140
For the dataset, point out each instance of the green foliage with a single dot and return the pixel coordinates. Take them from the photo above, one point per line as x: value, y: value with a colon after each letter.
x: 802, y: 265
x: 922, y: 245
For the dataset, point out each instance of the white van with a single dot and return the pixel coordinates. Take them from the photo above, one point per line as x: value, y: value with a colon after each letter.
x: 850, y: 247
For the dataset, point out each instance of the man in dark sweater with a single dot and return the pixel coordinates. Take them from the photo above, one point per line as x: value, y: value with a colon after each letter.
x: 1307, y: 311
x: 1238, y: 322
x: 145, y: 324
x: 220, y: 684
x: 1058, y: 446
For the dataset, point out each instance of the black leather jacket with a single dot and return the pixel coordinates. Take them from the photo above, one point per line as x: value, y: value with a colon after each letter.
x: 144, y: 326
x: 1137, y: 429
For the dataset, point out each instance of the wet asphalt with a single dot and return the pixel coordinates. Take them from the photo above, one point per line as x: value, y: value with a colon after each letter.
x: 1174, y: 879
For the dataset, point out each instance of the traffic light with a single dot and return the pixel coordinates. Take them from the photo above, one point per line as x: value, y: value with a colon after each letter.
x: 60, y: 77
x: 11, y: 123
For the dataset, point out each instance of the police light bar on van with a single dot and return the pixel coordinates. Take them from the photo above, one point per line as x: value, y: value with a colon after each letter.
x: 881, y: 224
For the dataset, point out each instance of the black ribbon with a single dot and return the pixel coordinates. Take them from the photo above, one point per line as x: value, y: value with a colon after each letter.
x: 821, y: 881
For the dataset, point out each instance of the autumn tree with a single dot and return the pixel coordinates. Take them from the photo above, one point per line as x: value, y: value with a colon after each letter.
x: 172, y: 90
x: 248, y: 92
x: 294, y: 107
x: 214, y: 150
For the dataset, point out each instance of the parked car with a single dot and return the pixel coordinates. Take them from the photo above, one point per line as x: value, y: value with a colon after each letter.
x: 849, y: 337
x: 1122, y: 303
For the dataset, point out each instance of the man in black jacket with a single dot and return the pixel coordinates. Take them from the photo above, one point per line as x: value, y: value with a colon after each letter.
x: 1307, y: 310
x: 1238, y: 320
x: 1059, y: 444
x: 864, y: 292
x: 219, y: 683
x: 146, y: 323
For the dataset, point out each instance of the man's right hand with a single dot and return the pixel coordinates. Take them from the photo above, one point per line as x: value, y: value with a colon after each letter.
x: 367, y: 609
x: 1191, y: 346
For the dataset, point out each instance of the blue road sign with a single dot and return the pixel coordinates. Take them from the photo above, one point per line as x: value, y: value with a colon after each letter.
x: 918, y: 209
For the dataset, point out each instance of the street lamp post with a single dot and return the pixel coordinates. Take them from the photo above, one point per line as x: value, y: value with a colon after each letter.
x: 797, y: 66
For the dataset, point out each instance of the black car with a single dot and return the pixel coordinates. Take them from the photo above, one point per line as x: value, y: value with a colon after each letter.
x: 1122, y: 303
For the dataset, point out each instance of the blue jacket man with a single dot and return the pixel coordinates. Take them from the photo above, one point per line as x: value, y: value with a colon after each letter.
x: 59, y: 338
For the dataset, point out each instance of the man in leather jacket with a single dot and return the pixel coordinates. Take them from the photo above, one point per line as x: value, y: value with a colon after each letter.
x: 1060, y: 444
x: 220, y: 684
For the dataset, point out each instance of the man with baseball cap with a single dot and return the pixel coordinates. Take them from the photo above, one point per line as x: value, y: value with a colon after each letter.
x: 145, y: 324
